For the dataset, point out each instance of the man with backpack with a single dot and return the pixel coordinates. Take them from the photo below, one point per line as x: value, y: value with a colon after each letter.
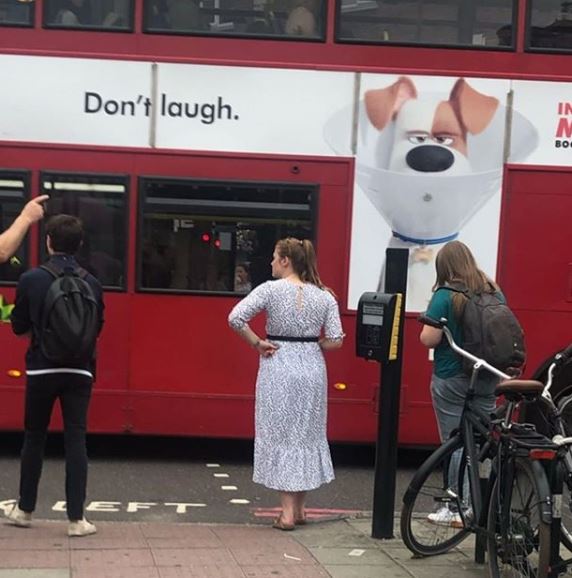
x: 60, y: 307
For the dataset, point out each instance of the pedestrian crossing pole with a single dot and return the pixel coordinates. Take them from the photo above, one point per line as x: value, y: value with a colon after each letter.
x: 397, y: 261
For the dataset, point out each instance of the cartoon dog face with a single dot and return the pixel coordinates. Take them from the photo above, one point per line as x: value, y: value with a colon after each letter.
x: 430, y: 134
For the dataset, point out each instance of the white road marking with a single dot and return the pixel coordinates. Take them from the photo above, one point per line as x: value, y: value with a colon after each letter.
x: 221, y: 475
x: 135, y: 506
x: 181, y: 508
x: 213, y: 465
x: 239, y: 501
x: 132, y: 507
x: 103, y: 507
x: 229, y: 488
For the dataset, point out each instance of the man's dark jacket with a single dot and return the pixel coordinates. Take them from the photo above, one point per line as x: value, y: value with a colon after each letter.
x: 27, y: 313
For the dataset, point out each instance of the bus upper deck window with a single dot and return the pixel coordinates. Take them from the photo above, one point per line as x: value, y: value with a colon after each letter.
x: 16, y: 13
x: 475, y: 23
x: 90, y: 14
x: 299, y: 19
x: 550, y: 25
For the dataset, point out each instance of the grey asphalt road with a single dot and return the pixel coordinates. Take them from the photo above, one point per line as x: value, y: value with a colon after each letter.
x: 198, y: 480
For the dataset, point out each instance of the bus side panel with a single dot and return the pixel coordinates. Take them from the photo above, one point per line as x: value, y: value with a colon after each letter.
x: 535, y: 261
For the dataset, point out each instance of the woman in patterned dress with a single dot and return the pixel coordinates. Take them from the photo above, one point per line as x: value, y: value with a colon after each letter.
x: 291, y: 452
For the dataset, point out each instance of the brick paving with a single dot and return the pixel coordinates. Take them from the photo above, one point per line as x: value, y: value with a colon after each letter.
x: 339, y: 548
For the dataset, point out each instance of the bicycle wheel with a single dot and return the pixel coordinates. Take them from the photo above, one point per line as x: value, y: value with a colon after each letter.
x: 565, y: 425
x: 518, y: 539
x: 431, y: 520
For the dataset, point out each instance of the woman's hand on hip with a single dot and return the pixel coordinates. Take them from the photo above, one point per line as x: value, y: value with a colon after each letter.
x: 266, y: 349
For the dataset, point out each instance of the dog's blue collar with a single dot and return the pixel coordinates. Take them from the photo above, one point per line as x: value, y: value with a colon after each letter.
x: 425, y: 241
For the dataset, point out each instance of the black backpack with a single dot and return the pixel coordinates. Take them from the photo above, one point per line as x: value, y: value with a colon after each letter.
x: 70, y: 320
x: 491, y: 331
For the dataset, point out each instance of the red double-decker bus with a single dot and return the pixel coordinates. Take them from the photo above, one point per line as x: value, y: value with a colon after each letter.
x: 190, y: 135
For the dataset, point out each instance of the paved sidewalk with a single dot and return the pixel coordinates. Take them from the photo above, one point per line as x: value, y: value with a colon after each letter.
x: 339, y: 548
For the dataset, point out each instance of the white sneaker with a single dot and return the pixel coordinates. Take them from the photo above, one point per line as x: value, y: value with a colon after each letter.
x: 19, y: 517
x: 81, y: 527
x: 445, y: 517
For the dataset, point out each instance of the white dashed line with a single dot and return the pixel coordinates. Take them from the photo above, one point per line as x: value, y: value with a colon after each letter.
x: 229, y: 488
x: 239, y: 501
x: 221, y: 475
x: 213, y: 465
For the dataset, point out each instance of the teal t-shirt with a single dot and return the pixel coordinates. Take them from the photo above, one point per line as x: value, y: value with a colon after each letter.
x: 446, y: 363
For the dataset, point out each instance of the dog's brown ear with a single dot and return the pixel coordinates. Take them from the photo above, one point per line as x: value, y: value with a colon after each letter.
x: 474, y: 109
x: 382, y: 104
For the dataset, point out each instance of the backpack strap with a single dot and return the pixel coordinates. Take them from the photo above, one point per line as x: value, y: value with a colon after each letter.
x: 457, y: 288
x: 52, y: 269
x: 56, y: 270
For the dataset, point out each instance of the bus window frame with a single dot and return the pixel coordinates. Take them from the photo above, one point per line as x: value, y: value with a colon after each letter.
x: 313, y: 188
x: 123, y: 179
x: 476, y: 47
x: 26, y: 176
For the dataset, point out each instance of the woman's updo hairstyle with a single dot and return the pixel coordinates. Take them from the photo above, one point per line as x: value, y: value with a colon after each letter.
x: 303, y: 258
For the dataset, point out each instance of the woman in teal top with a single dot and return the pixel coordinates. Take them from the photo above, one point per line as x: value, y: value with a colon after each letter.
x: 455, y: 266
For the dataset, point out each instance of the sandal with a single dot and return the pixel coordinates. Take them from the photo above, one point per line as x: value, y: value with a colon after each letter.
x: 280, y: 525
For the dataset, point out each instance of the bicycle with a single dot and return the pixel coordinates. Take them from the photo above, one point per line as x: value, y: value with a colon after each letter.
x: 553, y: 417
x: 515, y: 491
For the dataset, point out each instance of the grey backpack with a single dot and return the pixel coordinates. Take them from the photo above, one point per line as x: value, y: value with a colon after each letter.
x: 491, y: 331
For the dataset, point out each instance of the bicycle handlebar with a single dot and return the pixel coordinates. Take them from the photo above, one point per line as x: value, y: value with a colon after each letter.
x: 478, y: 362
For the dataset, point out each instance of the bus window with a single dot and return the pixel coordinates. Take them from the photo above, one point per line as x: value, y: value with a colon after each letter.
x: 14, y: 191
x: 550, y: 25
x: 475, y: 23
x: 17, y: 12
x: 300, y: 19
x: 92, y: 14
x: 216, y: 237
x: 100, y: 201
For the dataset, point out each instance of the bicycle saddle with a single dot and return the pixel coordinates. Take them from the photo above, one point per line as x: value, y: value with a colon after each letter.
x: 515, y: 389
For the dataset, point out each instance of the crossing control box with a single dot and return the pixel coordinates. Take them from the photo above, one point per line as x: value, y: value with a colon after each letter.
x: 377, y: 328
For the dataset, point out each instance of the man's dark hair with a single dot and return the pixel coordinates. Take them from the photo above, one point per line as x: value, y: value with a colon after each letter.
x: 65, y: 233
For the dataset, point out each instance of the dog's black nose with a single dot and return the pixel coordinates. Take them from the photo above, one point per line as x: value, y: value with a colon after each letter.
x: 430, y: 159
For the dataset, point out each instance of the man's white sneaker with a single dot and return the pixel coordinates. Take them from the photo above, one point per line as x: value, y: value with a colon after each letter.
x: 81, y: 528
x: 445, y: 517
x: 19, y: 517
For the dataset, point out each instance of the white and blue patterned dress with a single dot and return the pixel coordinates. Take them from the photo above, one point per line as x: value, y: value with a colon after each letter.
x: 291, y: 452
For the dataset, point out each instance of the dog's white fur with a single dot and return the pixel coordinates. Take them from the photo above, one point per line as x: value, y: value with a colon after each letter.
x: 416, y: 122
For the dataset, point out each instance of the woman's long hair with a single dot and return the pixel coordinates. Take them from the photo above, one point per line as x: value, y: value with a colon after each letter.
x: 303, y: 258
x: 456, y: 265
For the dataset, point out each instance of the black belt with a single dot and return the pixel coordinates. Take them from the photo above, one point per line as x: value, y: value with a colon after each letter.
x: 297, y: 339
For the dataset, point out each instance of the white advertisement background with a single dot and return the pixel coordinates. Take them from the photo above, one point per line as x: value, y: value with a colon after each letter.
x: 538, y: 101
x: 371, y: 233
x: 42, y: 100
x: 280, y: 111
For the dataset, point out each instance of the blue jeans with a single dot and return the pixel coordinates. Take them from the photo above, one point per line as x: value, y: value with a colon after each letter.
x: 73, y: 392
x: 448, y: 401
